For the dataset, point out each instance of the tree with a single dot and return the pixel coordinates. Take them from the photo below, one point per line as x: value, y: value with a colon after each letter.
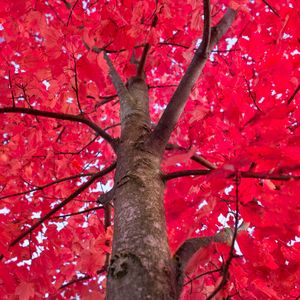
x: 167, y: 129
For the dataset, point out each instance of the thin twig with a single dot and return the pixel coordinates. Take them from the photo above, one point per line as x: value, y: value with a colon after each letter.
x: 71, y: 12
x: 76, y: 88
x: 226, y: 267
x: 11, y: 90
x: 106, y: 99
x: 78, y: 212
x: 83, y: 148
x: 112, y: 126
x: 86, y: 277
x: 271, y: 8
x: 161, y: 86
x: 251, y: 94
x: 293, y: 95
x: 141, y: 65
x: 201, y: 275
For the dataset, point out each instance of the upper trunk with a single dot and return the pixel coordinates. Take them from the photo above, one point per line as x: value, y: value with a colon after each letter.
x: 141, y: 266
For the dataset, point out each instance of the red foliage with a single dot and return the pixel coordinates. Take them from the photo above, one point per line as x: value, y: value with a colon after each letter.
x: 242, y: 115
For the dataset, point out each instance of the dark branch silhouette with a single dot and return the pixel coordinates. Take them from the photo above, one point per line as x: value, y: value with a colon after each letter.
x: 79, y: 212
x: 293, y: 95
x: 225, y: 270
x: 79, y: 279
x: 252, y: 96
x: 197, y: 158
x: 279, y: 177
x: 271, y: 8
x: 39, y: 188
x: 76, y: 88
x: 140, y: 69
x: 61, y: 116
x: 201, y: 275
x: 141, y: 65
x: 63, y: 203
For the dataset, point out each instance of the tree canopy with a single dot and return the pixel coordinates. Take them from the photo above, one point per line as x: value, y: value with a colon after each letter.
x: 233, y: 159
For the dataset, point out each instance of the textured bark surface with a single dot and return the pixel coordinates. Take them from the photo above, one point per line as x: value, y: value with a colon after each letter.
x: 141, y: 266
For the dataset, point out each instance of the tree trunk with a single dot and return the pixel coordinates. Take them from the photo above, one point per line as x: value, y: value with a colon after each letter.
x: 141, y: 266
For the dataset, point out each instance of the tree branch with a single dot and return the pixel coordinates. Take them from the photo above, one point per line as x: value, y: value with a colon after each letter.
x: 106, y: 99
x: 62, y: 116
x: 79, y: 151
x: 120, y: 87
x: 280, y: 177
x: 141, y: 65
x: 78, y: 212
x: 170, y: 116
x: 191, y: 246
x: 271, y: 8
x: 197, y: 158
x: 225, y: 270
x: 11, y: 90
x: 76, y: 88
x: 140, y: 68
x: 201, y: 275
x: 86, y: 277
x: 293, y: 95
x: 63, y: 203
x: 252, y: 96
x: 71, y: 12
x: 184, y: 173
x: 39, y: 188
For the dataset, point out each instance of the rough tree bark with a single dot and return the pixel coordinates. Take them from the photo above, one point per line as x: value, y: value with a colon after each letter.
x: 141, y: 265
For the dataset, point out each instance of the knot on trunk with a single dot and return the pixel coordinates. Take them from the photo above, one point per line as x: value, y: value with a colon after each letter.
x: 120, y: 264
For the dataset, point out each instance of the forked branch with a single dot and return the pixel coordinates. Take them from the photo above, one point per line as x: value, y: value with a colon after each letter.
x: 63, y: 203
x: 176, y: 105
